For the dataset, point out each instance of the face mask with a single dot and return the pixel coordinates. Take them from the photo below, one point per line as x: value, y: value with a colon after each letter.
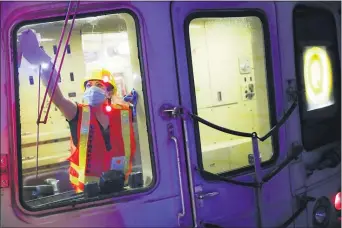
x: 94, y: 96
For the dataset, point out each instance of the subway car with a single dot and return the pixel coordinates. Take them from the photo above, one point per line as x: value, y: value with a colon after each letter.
x: 237, y: 119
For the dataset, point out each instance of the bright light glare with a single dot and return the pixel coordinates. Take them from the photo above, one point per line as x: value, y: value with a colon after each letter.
x: 40, y: 39
x: 192, y: 25
x: 45, y: 39
x: 105, y: 79
x: 317, y: 78
x: 123, y: 48
x: 44, y: 66
x: 337, y: 202
x: 108, y: 108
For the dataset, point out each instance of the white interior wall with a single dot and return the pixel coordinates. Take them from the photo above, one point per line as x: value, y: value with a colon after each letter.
x: 228, y: 56
x: 56, y: 126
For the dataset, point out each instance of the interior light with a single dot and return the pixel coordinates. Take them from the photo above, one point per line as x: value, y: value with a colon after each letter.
x: 105, y: 79
x: 337, y: 202
x: 195, y: 26
x: 46, y: 39
x: 44, y: 66
x: 123, y: 48
x: 108, y: 108
x: 317, y: 78
x: 40, y: 39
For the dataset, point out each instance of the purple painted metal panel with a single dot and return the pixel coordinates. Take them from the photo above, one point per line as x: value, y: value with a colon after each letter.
x: 238, y: 208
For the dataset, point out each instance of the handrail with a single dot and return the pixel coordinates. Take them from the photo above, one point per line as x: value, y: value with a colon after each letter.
x: 182, y: 112
x: 172, y: 137
x: 296, y: 150
x: 281, y: 122
x: 181, y: 214
x: 303, y: 202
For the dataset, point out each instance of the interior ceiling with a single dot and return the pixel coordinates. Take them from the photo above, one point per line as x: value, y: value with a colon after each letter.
x: 114, y: 23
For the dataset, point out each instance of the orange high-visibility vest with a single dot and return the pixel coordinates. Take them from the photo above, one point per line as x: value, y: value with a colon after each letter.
x: 90, y: 158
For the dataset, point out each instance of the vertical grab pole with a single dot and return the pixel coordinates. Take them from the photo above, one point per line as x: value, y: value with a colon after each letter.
x: 174, y: 139
x: 60, y: 66
x: 40, y: 111
x: 37, y: 141
x: 258, y: 179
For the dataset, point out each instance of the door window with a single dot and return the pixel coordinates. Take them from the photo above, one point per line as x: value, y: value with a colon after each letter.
x: 231, y: 88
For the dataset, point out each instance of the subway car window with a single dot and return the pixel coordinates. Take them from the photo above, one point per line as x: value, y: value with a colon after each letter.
x: 230, y: 86
x: 94, y: 143
x: 318, y: 75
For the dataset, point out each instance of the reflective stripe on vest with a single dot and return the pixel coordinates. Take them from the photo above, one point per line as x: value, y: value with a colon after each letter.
x: 126, y: 136
x: 83, y: 143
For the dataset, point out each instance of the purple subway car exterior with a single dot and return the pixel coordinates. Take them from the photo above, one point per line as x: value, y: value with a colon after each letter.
x: 194, y: 174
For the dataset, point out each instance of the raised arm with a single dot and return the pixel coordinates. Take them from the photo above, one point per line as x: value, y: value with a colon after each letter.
x: 31, y: 51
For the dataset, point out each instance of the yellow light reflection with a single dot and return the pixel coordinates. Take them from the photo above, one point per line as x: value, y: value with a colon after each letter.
x: 317, y: 78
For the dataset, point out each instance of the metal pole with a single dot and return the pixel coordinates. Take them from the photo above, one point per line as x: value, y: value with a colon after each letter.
x: 258, y: 179
x: 37, y: 140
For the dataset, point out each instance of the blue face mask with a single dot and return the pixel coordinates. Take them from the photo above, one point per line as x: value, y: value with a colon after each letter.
x: 94, y: 96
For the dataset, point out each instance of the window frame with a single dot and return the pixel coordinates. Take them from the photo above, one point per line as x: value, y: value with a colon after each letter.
x: 85, y: 202
x: 269, y: 80
x: 314, y: 121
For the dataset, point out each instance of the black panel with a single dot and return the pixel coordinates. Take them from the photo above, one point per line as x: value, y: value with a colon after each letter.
x: 68, y: 49
x: 54, y: 49
x: 31, y: 80
x: 316, y: 27
x: 73, y: 94
x: 72, y: 76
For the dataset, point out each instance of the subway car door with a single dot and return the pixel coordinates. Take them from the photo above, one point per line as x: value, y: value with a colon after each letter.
x: 229, y: 74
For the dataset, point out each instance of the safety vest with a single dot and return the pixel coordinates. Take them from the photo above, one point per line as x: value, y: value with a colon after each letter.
x: 90, y: 158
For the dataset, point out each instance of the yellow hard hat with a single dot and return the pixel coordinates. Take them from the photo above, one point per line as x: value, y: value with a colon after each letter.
x: 100, y: 75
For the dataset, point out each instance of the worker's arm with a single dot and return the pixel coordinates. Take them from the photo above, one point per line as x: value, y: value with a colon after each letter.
x: 29, y: 46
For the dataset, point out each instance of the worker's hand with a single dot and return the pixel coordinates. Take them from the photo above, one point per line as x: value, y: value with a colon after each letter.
x: 29, y: 47
x: 133, y: 99
x: 31, y: 51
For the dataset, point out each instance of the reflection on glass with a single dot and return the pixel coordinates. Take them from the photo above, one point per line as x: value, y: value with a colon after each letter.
x: 317, y: 77
x: 103, y: 146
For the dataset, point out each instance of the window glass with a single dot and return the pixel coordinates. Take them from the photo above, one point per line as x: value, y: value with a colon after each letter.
x: 80, y: 159
x: 229, y: 70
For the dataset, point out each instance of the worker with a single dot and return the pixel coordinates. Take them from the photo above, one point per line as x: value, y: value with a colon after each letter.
x: 102, y: 137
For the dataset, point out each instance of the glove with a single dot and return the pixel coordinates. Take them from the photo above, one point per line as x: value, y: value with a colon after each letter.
x: 133, y: 99
x: 29, y: 46
x: 31, y: 51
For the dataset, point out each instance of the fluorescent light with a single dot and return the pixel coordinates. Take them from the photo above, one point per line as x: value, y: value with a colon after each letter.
x: 39, y: 38
x: 45, y: 39
x: 44, y: 66
x: 123, y: 48
x: 195, y: 26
